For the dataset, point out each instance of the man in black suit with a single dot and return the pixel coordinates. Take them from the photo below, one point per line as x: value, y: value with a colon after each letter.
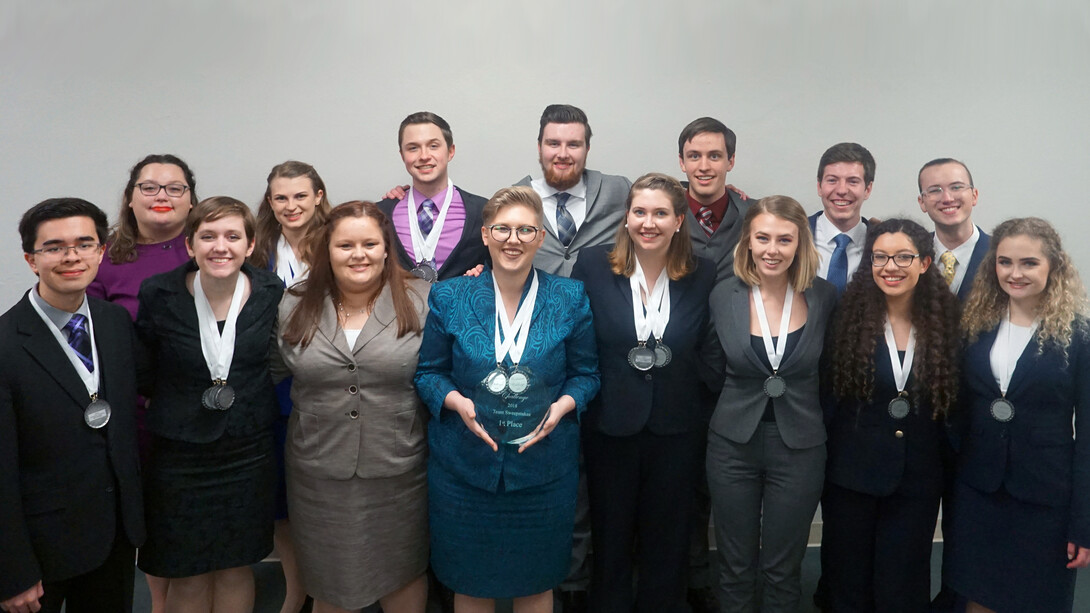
x: 438, y: 225
x: 72, y: 510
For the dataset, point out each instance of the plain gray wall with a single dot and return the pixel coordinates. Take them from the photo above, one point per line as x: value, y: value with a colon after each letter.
x: 234, y: 87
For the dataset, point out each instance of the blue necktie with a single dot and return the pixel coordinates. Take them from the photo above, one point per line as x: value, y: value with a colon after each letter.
x: 426, y: 216
x: 565, y: 223
x: 838, y: 264
x: 79, y: 340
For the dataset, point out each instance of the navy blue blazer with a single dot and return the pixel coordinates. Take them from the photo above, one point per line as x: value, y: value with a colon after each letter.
x: 457, y: 352
x: 470, y: 250
x: 973, y: 266
x: 873, y: 453
x: 1036, y: 457
x: 665, y: 400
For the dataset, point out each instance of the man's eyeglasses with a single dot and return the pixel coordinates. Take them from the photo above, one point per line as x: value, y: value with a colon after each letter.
x: 59, y: 251
x: 954, y: 189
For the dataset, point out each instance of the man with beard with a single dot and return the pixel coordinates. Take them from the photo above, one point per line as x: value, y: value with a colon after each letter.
x: 582, y: 207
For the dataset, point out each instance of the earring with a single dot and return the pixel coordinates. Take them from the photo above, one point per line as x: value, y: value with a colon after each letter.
x: 676, y: 230
x: 626, y: 225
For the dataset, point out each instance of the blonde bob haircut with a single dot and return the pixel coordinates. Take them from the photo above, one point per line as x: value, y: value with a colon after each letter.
x: 804, y: 268
x: 511, y: 196
x: 679, y: 255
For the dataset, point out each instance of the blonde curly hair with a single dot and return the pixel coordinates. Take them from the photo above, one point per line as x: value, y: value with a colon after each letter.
x: 1063, y: 307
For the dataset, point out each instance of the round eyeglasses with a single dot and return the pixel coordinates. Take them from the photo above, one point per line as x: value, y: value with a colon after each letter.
x: 501, y: 232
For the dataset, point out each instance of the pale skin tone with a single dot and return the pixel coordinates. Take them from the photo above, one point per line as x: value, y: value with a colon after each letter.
x: 773, y: 242
x: 293, y: 201
x: 950, y: 211
x: 160, y: 218
x: 843, y: 189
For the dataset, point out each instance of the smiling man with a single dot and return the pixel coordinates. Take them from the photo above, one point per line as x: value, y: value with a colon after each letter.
x: 845, y: 178
x: 72, y: 511
x: 582, y: 207
x: 948, y: 196
x: 438, y: 224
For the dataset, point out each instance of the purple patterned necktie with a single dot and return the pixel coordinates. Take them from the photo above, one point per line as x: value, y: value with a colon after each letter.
x: 79, y: 340
x: 426, y: 216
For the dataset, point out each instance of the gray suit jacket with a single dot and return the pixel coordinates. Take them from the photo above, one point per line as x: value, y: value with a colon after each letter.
x: 356, y: 411
x: 719, y: 247
x: 742, y: 401
x: 606, y: 196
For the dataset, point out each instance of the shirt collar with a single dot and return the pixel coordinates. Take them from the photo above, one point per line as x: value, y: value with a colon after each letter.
x: 57, y: 316
x: 826, y: 231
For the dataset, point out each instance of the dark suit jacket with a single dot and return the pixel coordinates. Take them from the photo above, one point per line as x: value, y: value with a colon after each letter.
x: 742, y: 400
x: 664, y: 400
x: 975, y: 259
x: 1035, y: 456
x: 470, y: 250
x: 174, y: 375
x: 873, y: 453
x: 457, y: 352
x: 719, y: 247
x: 63, y: 485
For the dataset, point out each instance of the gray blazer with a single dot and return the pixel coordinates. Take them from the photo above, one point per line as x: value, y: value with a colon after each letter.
x: 719, y: 247
x: 742, y: 401
x: 356, y: 411
x: 606, y: 197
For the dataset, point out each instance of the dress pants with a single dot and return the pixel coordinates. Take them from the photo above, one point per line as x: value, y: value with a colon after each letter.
x: 764, y: 495
x: 106, y: 589
x: 641, y: 493
x: 878, y: 550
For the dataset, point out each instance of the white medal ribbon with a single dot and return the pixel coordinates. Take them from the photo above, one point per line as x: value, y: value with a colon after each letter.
x: 900, y: 371
x: 218, y: 349
x: 424, y: 250
x: 90, y: 379
x: 514, y: 332
x: 288, y: 267
x: 653, y: 317
x: 1005, y: 354
x: 774, y: 351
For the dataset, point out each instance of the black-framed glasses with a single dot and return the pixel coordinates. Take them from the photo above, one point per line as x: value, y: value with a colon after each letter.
x: 901, y: 260
x: 174, y: 190
x: 954, y: 189
x: 59, y: 251
x: 501, y: 232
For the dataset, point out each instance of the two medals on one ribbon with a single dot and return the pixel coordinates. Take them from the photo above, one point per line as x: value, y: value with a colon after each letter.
x: 775, y: 385
x: 1005, y: 354
x: 217, y: 347
x: 424, y: 247
x: 651, y: 314
x: 515, y: 331
x: 98, y: 411
x: 900, y: 406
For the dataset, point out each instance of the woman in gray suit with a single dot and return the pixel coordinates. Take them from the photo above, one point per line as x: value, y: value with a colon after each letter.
x: 766, y: 445
x: 356, y: 446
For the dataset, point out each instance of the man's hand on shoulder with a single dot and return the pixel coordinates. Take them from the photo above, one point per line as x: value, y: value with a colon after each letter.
x: 397, y: 192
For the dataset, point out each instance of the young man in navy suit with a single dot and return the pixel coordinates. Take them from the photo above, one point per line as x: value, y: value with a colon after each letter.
x: 948, y: 196
x: 845, y: 179
x: 72, y: 511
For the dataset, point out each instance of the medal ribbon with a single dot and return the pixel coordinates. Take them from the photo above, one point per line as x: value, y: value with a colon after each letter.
x: 424, y: 249
x: 90, y: 379
x: 288, y: 267
x: 514, y: 332
x: 900, y: 371
x: 774, y: 352
x: 218, y: 349
x: 1008, y: 353
x: 653, y: 317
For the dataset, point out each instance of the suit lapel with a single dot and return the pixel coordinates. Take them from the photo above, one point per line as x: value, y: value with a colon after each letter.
x: 807, y: 331
x: 1027, y: 363
x: 740, y: 299
x: 46, y: 351
x: 329, y: 327
x: 980, y: 353
x: 381, y: 317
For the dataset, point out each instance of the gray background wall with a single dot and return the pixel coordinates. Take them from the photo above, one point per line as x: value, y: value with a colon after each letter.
x: 234, y: 87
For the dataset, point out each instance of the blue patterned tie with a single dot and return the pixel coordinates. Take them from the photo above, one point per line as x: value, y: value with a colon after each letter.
x: 426, y: 216
x: 79, y: 340
x: 838, y: 264
x: 565, y: 223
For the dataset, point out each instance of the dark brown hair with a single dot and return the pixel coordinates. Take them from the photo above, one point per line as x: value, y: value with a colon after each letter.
x: 268, y: 228
x: 125, y: 232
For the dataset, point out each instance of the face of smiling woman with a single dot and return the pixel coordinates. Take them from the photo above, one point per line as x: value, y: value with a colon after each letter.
x: 894, y: 281
x: 220, y: 247
x: 512, y: 256
x: 357, y: 255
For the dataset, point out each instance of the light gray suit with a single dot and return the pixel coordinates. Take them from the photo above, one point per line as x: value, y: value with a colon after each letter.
x: 356, y: 454
x: 765, y: 477
x: 606, y: 196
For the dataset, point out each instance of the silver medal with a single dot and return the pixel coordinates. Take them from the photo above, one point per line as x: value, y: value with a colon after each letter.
x: 496, y: 381
x: 775, y: 386
x: 1002, y: 410
x: 219, y: 397
x: 663, y: 355
x: 641, y: 358
x: 899, y: 407
x: 98, y: 413
x: 518, y: 382
x: 426, y: 271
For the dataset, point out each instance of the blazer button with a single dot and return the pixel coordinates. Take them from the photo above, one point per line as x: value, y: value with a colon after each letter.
x: 647, y: 377
x: 567, y: 256
x: 899, y: 434
x: 354, y: 414
x: 352, y: 367
x: 352, y: 389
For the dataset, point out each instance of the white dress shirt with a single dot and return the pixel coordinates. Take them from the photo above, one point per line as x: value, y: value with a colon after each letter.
x: 823, y: 240
x: 577, y: 203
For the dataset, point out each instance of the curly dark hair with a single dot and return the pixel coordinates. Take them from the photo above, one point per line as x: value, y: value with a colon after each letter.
x: 860, y: 323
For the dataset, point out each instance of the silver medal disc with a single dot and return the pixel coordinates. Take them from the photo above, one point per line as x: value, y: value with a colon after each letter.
x: 426, y: 271
x: 663, y: 355
x: 899, y: 407
x: 775, y: 386
x: 1002, y: 410
x: 496, y: 381
x: 641, y: 358
x: 518, y: 382
x: 97, y: 414
x: 218, y: 397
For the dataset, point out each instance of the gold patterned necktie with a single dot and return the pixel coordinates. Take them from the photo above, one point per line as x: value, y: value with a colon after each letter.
x: 949, y: 266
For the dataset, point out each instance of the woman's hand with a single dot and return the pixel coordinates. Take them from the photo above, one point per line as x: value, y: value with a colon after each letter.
x: 1079, y: 556
x: 466, y: 409
x: 557, y: 410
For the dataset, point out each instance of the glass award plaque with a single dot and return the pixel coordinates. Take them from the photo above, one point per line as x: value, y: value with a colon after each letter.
x: 513, y: 414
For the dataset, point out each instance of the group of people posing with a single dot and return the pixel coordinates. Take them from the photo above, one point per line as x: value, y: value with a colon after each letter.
x: 489, y: 388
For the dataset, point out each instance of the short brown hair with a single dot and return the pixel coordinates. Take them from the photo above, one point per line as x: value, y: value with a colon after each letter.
x: 679, y: 256
x: 218, y: 207
x: 803, y: 268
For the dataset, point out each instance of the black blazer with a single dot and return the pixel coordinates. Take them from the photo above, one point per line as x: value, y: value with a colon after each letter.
x: 665, y: 400
x: 62, y: 484
x: 873, y: 453
x: 174, y: 375
x: 742, y: 400
x: 973, y: 266
x: 1036, y: 457
x: 470, y: 250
